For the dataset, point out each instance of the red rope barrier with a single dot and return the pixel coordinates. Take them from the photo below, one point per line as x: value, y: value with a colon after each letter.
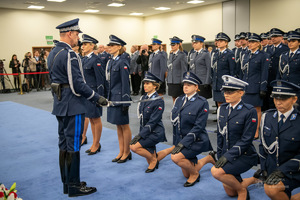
x: 15, y: 74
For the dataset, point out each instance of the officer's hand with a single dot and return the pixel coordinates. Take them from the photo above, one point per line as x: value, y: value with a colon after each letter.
x: 102, y: 101
x: 221, y: 162
x: 262, y: 94
x: 135, y: 139
x: 125, y: 109
x: 275, y: 177
x: 177, y: 148
x: 261, y: 175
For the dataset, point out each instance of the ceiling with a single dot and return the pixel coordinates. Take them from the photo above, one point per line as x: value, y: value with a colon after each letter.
x: 78, y: 6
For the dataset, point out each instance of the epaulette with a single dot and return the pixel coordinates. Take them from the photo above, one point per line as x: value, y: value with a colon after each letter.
x: 248, y: 106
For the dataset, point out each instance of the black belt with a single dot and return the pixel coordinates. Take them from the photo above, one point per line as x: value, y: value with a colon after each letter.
x: 65, y: 85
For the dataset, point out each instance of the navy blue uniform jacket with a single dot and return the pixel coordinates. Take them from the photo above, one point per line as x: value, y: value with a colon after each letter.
x: 289, y: 68
x: 65, y: 69
x: 150, y: 114
x: 288, y: 138
x: 223, y: 64
x: 255, y: 71
x: 189, y: 123
x: 236, y: 142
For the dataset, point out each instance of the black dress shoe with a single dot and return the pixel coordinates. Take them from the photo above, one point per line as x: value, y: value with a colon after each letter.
x: 66, y: 190
x: 188, y: 184
x: 84, y: 142
x: 214, y: 112
x: 80, y: 190
x: 152, y: 170
x: 98, y: 150
x: 128, y: 157
x: 116, y: 159
x: 88, y: 151
x: 213, y: 155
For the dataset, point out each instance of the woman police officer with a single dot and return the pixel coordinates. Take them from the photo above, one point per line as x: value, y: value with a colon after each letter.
x: 222, y: 63
x: 95, y: 78
x: 189, y: 116
x: 280, y: 143
x: 237, y: 123
x: 152, y: 130
x: 117, y: 75
x: 254, y: 71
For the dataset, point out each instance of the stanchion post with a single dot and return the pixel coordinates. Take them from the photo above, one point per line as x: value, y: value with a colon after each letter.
x: 20, y: 84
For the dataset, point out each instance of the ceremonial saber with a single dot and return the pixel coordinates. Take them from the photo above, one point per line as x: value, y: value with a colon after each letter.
x: 112, y: 103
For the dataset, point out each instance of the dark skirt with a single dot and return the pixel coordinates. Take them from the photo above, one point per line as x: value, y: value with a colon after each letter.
x: 116, y: 115
x: 92, y: 111
x: 253, y: 99
x: 148, y: 144
x: 190, y: 155
x: 236, y: 168
x: 205, y: 91
x: 218, y: 96
x: 175, y: 90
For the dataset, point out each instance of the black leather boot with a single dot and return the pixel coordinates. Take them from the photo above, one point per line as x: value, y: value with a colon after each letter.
x: 75, y: 188
x: 63, y: 169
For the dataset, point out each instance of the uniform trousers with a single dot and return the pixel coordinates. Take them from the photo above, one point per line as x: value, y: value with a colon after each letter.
x: 70, y: 129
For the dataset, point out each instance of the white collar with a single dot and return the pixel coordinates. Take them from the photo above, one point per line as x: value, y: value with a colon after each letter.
x: 235, y: 104
x: 199, y: 50
x: 176, y: 51
x: 277, y: 45
x: 155, y: 52
x: 223, y: 50
x: 90, y: 54
x: 294, y: 51
x: 150, y: 95
x: 286, y: 114
x: 189, y: 98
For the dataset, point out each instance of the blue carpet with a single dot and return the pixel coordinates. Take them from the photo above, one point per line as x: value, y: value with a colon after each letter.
x: 29, y: 157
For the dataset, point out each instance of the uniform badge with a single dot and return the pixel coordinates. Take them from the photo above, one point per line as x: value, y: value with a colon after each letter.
x: 293, y: 117
x: 205, y: 110
x: 117, y: 58
x: 275, y: 114
x: 233, y: 58
x: 159, y: 108
x: 125, y: 67
x: 239, y: 107
x: 98, y: 64
x: 193, y: 99
x: 253, y: 120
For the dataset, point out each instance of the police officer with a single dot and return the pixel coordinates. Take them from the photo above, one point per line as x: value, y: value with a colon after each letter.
x: 289, y: 62
x: 70, y: 89
x: 222, y: 63
x: 158, y: 64
x: 117, y: 75
x: 244, y: 50
x: 264, y: 41
x: 152, y: 130
x: 280, y: 142
x: 134, y: 70
x: 255, y: 72
x: 104, y: 56
x: 95, y: 77
x: 237, y: 122
x: 189, y: 116
x: 237, y: 50
x: 200, y: 65
x: 276, y: 50
x: 177, y: 65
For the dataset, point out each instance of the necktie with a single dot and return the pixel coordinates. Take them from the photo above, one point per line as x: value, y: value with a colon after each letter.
x: 281, y: 121
x: 230, y: 110
x: 197, y: 53
x: 185, y: 100
x: 291, y: 55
